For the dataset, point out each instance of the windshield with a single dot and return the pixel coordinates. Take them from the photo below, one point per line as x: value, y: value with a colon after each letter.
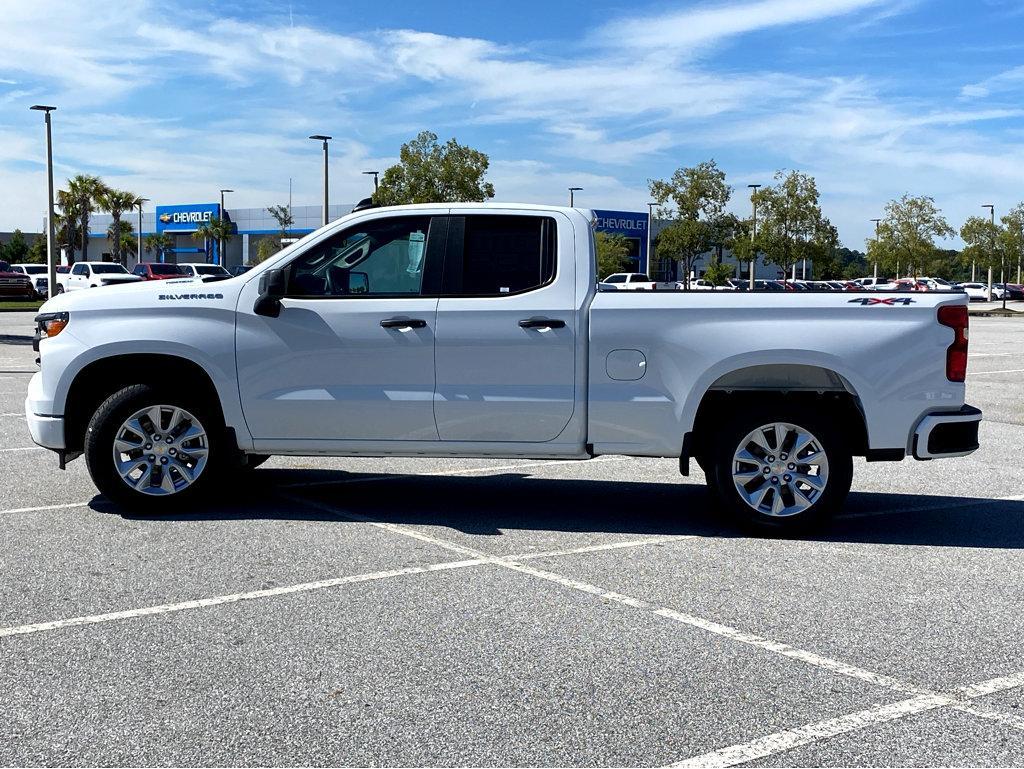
x: 164, y: 269
x: 109, y: 269
x: 210, y: 269
x: 34, y: 269
x: 615, y: 279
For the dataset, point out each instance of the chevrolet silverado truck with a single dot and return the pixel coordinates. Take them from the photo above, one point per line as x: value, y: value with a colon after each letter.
x: 477, y: 330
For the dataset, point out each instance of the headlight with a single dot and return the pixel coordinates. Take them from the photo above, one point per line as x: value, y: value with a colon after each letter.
x: 49, y: 324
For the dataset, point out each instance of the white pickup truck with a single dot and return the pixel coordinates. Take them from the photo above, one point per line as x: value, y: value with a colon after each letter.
x: 93, y: 275
x: 476, y: 330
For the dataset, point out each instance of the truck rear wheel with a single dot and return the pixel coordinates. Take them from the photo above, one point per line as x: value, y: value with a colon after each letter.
x: 148, y: 450
x: 781, y: 468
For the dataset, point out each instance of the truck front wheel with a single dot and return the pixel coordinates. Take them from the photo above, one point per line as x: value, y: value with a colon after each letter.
x: 783, y: 468
x: 148, y: 450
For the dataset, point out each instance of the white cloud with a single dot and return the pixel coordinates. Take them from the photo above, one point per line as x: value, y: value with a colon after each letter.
x: 1010, y: 80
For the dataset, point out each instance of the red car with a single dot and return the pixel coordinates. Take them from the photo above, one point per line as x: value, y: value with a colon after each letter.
x: 156, y: 271
x: 14, y: 285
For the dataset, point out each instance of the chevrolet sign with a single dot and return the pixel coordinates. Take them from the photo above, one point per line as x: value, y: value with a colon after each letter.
x: 185, y: 218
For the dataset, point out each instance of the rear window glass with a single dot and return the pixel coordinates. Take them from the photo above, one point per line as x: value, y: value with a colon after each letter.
x: 506, y: 255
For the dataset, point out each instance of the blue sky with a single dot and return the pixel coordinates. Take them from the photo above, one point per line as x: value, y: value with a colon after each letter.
x: 873, y: 97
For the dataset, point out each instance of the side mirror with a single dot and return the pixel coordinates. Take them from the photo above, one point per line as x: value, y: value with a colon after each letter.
x: 273, y: 286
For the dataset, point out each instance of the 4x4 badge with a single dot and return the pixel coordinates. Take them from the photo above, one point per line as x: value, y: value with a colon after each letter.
x: 866, y: 301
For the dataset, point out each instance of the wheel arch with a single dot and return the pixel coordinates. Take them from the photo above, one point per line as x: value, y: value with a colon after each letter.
x: 812, y: 386
x: 97, y: 380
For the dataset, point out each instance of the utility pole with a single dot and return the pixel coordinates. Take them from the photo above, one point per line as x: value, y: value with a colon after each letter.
x: 876, y: 221
x: 650, y: 223
x: 753, y: 232
x: 139, y: 244
x: 324, y: 139
x: 992, y: 213
x: 571, y: 191
x: 51, y: 263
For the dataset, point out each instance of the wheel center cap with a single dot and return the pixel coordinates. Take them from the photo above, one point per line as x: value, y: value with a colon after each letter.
x: 778, y: 467
x: 158, y: 450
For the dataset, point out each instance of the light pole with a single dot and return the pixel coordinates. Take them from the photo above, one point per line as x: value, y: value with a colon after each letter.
x: 992, y: 213
x: 138, y: 244
x: 753, y: 231
x: 650, y: 222
x: 220, y: 241
x: 51, y: 263
x: 877, y: 222
x: 374, y: 174
x: 571, y: 191
x: 324, y: 139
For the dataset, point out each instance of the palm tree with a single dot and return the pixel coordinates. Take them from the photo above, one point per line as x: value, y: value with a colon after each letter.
x: 159, y: 242
x: 217, y: 230
x: 116, y: 202
x: 66, y: 224
x: 85, y: 190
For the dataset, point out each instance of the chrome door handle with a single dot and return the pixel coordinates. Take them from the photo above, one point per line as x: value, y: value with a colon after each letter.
x: 541, y: 323
x: 403, y: 323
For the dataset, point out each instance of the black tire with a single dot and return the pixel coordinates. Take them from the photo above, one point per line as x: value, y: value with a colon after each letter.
x: 99, y: 443
x: 831, y: 442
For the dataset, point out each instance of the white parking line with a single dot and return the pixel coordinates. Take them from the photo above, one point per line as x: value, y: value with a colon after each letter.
x: 305, y: 587
x: 220, y: 600
x: 1004, y: 371
x: 788, y: 739
x: 44, y: 507
x: 769, y: 745
x: 24, y: 448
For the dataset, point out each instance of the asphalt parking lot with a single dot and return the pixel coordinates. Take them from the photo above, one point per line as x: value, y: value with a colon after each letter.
x: 443, y: 612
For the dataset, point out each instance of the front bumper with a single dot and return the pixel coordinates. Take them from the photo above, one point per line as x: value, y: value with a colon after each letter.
x: 47, y: 429
x: 947, y: 434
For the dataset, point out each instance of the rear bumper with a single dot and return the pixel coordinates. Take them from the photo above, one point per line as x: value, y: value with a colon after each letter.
x: 947, y: 434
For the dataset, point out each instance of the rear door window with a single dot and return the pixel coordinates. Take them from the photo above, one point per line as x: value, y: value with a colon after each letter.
x: 499, y: 255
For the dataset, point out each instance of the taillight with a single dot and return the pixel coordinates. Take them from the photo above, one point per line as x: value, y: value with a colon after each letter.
x: 955, y: 317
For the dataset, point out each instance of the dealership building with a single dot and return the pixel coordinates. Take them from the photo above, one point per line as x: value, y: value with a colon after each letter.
x: 250, y: 225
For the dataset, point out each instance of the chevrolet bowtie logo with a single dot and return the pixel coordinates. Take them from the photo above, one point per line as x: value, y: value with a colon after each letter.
x: 165, y: 218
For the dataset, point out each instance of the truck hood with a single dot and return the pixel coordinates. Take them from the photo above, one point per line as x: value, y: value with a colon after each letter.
x: 145, y: 294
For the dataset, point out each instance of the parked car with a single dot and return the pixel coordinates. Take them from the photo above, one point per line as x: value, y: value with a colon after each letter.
x: 627, y: 281
x: 976, y: 292
x: 871, y: 282
x: 740, y: 284
x: 157, y: 271
x: 703, y: 285
x: 14, y: 284
x: 768, y: 285
x: 1013, y: 290
x: 485, y: 336
x: 37, y: 273
x: 94, y: 275
x: 201, y: 270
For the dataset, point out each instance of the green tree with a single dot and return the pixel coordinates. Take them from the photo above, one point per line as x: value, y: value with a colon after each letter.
x: 983, y: 244
x: 283, y: 216
x: 266, y: 248
x: 907, y: 235
x: 16, y: 250
x: 612, y: 254
x: 37, y: 251
x: 428, y: 172
x: 1013, y: 238
x: 115, y: 203
x: 84, y: 191
x: 698, y: 221
x: 66, y: 224
x: 158, y: 244
x: 215, y: 230
x: 718, y: 274
x: 791, y: 226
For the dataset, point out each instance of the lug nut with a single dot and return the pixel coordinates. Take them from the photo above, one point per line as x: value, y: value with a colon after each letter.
x: 156, y: 437
x: 149, y: 446
x: 170, y: 439
x: 163, y: 460
x: 767, y: 471
x: 791, y: 466
x: 173, y: 452
x: 787, y: 478
x: 152, y: 458
x: 775, y: 479
x: 783, y: 457
x: 771, y: 458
